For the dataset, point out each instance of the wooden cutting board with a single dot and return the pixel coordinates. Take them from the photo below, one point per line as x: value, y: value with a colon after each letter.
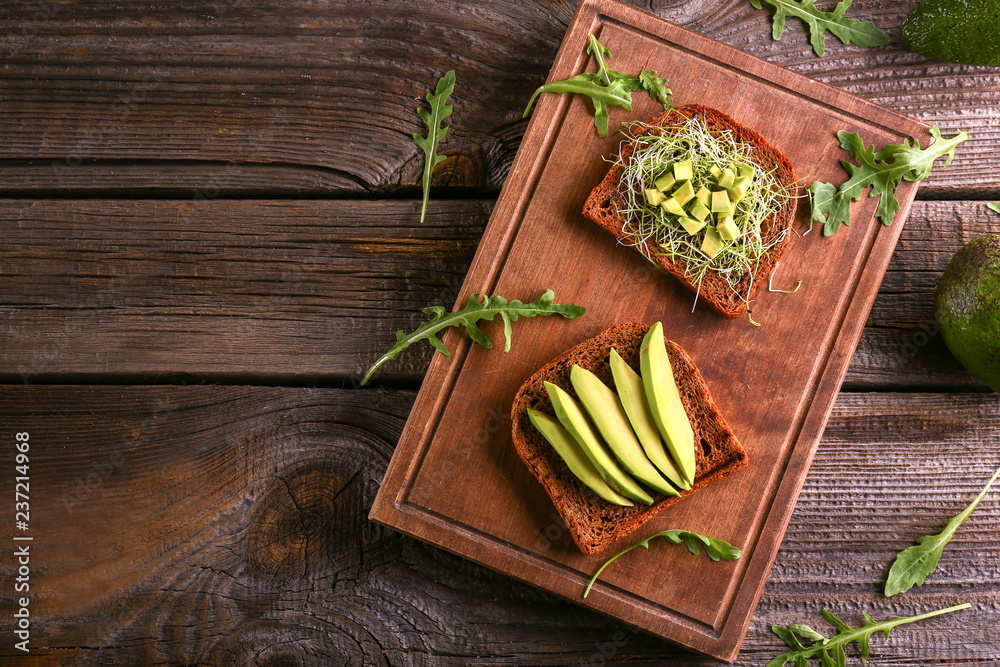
x: 455, y: 480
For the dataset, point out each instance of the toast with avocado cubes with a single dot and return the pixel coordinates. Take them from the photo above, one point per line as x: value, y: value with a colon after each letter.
x: 705, y: 198
x: 619, y: 428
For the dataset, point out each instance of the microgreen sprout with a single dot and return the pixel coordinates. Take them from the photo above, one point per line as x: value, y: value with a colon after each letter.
x: 659, y: 234
x: 770, y: 284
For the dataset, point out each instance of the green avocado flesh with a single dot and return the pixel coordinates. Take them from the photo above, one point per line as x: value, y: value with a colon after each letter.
x: 967, y: 306
x: 957, y: 31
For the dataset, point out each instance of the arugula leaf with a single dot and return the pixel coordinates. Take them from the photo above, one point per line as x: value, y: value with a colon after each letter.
x: 912, y: 565
x: 473, y: 312
x: 848, y: 31
x: 880, y: 171
x: 908, y: 163
x: 807, y: 643
x: 714, y: 548
x: 994, y: 206
x: 656, y: 87
x: 606, y: 88
x: 826, y: 200
x: 615, y: 95
x: 437, y: 129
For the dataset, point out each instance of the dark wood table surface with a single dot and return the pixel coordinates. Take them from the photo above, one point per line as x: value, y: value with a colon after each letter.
x: 209, y: 228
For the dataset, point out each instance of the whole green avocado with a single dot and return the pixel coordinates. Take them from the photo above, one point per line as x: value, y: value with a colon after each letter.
x: 957, y: 31
x: 967, y: 306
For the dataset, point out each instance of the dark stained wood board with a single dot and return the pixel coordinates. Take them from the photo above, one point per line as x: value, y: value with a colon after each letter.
x: 455, y: 480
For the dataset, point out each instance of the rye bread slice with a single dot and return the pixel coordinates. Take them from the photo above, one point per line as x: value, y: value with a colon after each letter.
x: 605, y: 202
x: 593, y: 522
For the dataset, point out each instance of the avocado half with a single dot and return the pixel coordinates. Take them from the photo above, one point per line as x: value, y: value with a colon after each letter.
x: 967, y: 306
x: 958, y: 31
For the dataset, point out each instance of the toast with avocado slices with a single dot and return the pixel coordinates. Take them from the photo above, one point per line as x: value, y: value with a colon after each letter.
x: 596, y: 521
x: 707, y: 199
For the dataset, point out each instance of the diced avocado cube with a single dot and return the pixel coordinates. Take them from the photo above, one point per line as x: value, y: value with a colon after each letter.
x: 670, y: 205
x: 712, y: 243
x: 748, y: 171
x: 654, y: 196
x: 739, y: 189
x: 721, y: 203
x: 683, y: 170
x: 665, y: 182
x: 704, y: 195
x: 727, y: 178
x: 716, y: 171
x: 690, y: 225
x: 727, y: 228
x: 684, y: 193
x: 698, y: 210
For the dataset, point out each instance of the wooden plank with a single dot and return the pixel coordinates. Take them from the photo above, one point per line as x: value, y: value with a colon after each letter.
x: 174, y: 99
x: 777, y: 408
x: 200, y: 525
x: 323, y: 286
x: 254, y: 289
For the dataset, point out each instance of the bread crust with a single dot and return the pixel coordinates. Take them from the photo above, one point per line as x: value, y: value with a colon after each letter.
x: 594, y: 523
x: 604, y: 202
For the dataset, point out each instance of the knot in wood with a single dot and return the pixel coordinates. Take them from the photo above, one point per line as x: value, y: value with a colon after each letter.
x: 302, y: 523
x: 458, y: 170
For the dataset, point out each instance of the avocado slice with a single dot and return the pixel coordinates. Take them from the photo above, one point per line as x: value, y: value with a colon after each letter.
x: 664, y: 182
x: 704, y: 195
x: 654, y: 197
x: 665, y: 401
x: 698, y: 210
x: 738, y: 189
x: 573, y: 419
x: 683, y: 170
x: 747, y: 171
x: 607, y: 413
x: 711, y: 245
x: 575, y: 459
x: 690, y: 225
x: 727, y: 228
x: 628, y: 383
x: 684, y: 193
x: 721, y: 203
x: 670, y: 205
x: 726, y: 179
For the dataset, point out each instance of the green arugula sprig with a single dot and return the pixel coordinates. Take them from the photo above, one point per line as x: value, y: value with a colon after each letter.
x: 437, y: 128
x: 467, y: 317
x: 994, y: 206
x: 881, y: 172
x: 913, y: 564
x: 715, y: 549
x: 848, y: 31
x: 807, y: 643
x: 606, y: 88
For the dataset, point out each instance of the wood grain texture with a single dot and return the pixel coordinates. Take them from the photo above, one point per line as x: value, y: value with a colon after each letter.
x: 177, y: 99
x: 205, y: 525
x: 252, y: 289
x: 319, y: 288
x: 226, y: 525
